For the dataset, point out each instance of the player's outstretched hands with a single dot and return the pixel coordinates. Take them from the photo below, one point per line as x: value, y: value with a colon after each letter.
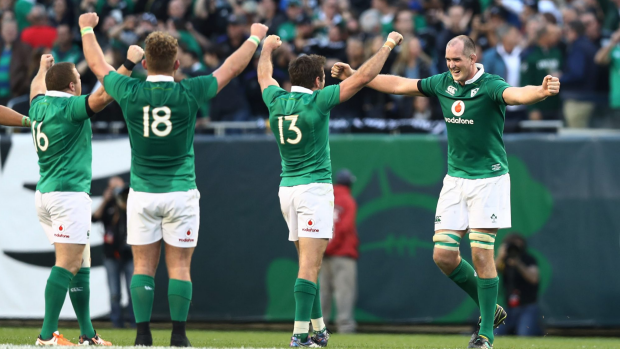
x: 551, y: 86
x: 88, y: 20
x: 135, y: 54
x: 272, y: 42
x: 47, y: 61
x: 259, y: 30
x: 342, y: 71
x: 398, y: 39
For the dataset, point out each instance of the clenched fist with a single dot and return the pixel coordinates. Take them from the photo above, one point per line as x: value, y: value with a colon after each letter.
x: 135, y: 54
x: 259, y: 30
x: 89, y: 20
x: 272, y: 42
x: 47, y: 61
x: 398, y: 39
x: 551, y: 86
x: 342, y: 71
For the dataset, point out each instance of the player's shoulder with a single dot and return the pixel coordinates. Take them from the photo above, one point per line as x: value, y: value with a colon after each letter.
x: 487, y: 78
x: 441, y: 78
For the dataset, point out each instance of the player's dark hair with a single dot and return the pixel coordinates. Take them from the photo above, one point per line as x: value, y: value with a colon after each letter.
x: 305, y: 69
x: 578, y: 27
x: 161, y: 52
x: 60, y: 76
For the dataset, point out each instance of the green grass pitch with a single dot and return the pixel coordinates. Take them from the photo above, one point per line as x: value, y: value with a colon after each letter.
x: 18, y: 337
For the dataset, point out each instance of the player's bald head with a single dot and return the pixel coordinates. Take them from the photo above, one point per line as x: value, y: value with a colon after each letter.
x: 465, y: 42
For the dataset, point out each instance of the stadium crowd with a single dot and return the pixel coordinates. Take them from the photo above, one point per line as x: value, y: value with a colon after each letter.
x: 520, y: 40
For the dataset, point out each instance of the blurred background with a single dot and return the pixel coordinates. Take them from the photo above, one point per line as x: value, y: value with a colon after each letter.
x: 520, y: 40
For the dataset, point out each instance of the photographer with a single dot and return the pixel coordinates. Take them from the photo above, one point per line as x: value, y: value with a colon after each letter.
x: 520, y: 276
x: 118, y: 258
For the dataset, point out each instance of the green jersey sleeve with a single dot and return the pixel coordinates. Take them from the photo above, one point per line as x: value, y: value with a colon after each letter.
x: 328, y: 98
x: 271, y: 93
x: 203, y: 87
x: 79, y: 110
x: 495, y: 89
x: 427, y: 86
x: 116, y: 84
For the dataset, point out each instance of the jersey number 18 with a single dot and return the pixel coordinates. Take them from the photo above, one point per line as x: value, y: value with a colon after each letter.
x: 157, y: 120
x: 292, y: 127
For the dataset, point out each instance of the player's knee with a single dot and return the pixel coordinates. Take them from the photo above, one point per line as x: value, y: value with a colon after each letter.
x: 445, y: 259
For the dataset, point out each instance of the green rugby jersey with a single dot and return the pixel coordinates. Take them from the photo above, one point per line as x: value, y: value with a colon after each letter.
x: 474, y: 115
x: 300, y: 122
x: 161, y: 117
x: 536, y: 64
x: 62, y: 139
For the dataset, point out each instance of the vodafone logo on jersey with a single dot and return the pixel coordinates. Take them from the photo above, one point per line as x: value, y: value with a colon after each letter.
x: 458, y: 108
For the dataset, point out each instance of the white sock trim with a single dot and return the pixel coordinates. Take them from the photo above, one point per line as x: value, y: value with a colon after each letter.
x: 301, y: 327
x: 318, y: 324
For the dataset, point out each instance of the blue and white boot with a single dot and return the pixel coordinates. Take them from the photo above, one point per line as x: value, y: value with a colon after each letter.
x: 321, y: 337
x: 295, y: 342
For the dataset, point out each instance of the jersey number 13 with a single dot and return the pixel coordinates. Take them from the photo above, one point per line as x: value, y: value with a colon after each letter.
x: 161, y: 115
x: 292, y: 127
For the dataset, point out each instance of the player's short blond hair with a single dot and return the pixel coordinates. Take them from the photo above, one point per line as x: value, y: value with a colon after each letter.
x: 161, y: 52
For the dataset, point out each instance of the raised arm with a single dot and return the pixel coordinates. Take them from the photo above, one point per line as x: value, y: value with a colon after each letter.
x: 37, y: 87
x: 9, y: 117
x: 92, y: 51
x: 532, y: 94
x: 100, y: 99
x: 603, y: 56
x: 391, y: 84
x: 237, y: 62
x: 265, y: 66
x: 369, y: 70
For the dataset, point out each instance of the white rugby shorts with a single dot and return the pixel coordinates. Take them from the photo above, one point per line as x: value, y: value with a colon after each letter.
x: 308, y: 210
x: 65, y: 216
x: 474, y: 203
x: 173, y: 216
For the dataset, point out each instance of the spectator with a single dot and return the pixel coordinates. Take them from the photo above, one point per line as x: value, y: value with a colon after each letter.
x: 354, y: 107
x: 505, y: 60
x: 579, y: 77
x: 65, y: 50
x: 422, y: 108
x: 272, y: 17
x: 118, y: 257
x: 303, y: 35
x: 329, y: 15
x: 22, y: 9
x: 404, y: 24
x: 339, y: 270
x: 520, y: 277
x: 386, y: 11
x: 294, y: 11
x: 454, y: 24
x: 62, y: 14
x: 40, y: 33
x: 610, y: 55
x: 543, y: 59
x: 14, y: 64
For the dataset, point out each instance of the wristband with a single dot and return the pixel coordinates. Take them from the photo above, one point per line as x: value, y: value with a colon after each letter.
x: 129, y: 64
x: 25, y: 121
x: 390, y: 44
x: 254, y: 39
x: 87, y: 30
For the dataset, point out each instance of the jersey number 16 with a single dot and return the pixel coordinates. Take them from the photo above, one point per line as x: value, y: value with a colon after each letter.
x: 292, y: 127
x: 161, y: 115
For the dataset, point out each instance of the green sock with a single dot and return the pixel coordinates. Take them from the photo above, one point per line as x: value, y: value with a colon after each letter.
x: 179, y: 297
x: 79, y: 291
x: 464, y: 276
x: 318, y: 325
x: 305, y: 292
x: 55, y: 294
x: 142, y: 295
x: 487, y: 291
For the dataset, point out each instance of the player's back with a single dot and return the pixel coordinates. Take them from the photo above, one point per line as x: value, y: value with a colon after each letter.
x: 161, y: 118
x: 62, y: 137
x: 300, y: 123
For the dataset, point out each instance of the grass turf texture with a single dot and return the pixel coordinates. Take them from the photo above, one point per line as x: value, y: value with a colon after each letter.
x: 12, y: 337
